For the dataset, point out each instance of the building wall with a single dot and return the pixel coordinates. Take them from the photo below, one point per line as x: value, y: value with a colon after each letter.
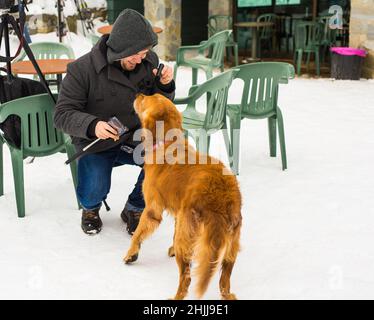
x: 165, y: 14
x: 220, y: 7
x: 362, y: 31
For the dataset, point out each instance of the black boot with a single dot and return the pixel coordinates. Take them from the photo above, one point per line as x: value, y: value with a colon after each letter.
x: 131, y: 218
x: 91, y: 222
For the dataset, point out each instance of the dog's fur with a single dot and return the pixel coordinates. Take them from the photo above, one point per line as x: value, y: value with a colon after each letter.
x: 206, y: 205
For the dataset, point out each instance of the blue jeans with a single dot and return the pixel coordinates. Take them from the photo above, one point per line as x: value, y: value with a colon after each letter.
x: 94, y: 179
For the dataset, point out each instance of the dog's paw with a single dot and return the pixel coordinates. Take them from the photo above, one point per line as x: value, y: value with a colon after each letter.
x: 229, y: 296
x: 171, y: 252
x: 130, y: 258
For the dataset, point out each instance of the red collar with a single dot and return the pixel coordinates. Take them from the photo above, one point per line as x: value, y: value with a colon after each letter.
x: 157, y: 145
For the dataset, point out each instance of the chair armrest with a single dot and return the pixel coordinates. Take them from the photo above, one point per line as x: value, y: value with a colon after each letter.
x: 290, y: 75
x: 184, y: 100
x: 4, y: 113
x: 183, y: 49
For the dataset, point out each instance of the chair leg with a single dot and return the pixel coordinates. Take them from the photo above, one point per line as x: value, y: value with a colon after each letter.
x: 1, y: 168
x: 246, y: 47
x: 317, y: 62
x: 272, y: 128
x: 175, y: 72
x: 194, y: 76
x: 307, y: 60
x: 228, y: 54
x: 232, y: 142
x: 236, y: 55
x: 282, y: 140
x: 17, y: 163
x: 74, y: 170
x: 299, y: 60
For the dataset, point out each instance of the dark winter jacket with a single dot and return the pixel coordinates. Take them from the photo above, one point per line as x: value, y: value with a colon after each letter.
x: 95, y: 90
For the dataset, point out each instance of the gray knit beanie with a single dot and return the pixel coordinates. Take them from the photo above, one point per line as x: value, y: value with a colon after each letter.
x: 131, y: 33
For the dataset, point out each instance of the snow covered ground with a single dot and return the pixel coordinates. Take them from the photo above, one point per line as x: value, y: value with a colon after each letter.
x: 307, y: 233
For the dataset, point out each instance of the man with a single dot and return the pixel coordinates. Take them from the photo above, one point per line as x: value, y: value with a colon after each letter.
x: 98, y: 86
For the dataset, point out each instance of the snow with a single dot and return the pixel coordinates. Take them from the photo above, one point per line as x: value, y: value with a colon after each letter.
x: 307, y: 232
x: 49, y: 7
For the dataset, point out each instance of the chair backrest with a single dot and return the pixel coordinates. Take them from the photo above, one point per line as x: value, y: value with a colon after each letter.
x: 284, y: 24
x: 216, y: 91
x: 94, y: 38
x: 39, y: 137
x: 308, y: 34
x: 260, y: 90
x: 49, y: 50
x: 266, y: 32
x: 219, y: 23
x: 216, y: 44
x: 328, y: 35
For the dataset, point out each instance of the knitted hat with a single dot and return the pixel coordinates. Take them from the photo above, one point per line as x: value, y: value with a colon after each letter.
x: 131, y: 33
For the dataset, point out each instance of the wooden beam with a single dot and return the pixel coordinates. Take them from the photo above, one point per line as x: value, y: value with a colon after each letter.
x: 315, y: 8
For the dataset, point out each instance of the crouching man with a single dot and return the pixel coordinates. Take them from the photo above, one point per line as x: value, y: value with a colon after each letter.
x: 98, y: 86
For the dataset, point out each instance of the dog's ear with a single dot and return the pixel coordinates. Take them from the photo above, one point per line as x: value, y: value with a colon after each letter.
x: 153, y: 120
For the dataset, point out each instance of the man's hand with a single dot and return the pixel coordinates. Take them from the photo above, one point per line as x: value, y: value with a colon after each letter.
x: 166, y: 75
x: 104, y: 131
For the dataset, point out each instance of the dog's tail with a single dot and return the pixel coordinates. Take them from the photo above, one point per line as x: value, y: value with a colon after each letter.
x: 211, y: 247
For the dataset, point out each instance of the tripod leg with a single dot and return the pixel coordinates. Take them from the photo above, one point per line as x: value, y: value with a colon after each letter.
x: 7, y: 47
x: 30, y: 55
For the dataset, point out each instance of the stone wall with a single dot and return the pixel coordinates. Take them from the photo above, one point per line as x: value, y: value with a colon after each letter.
x: 165, y: 14
x: 45, y: 23
x: 220, y: 7
x: 362, y: 32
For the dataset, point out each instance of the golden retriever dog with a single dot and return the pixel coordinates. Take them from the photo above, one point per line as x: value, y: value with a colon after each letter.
x: 205, y: 202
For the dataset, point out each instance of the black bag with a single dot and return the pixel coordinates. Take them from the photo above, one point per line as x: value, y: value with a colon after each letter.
x: 17, y: 88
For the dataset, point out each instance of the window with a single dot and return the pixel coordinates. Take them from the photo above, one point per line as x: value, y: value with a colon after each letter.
x: 286, y: 2
x: 254, y: 3
x: 265, y: 3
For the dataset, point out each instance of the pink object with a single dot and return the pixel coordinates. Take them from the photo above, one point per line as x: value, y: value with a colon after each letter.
x: 346, y: 51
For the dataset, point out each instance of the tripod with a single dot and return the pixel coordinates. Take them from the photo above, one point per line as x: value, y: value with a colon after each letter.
x: 83, y: 13
x: 6, y: 20
x: 60, y: 23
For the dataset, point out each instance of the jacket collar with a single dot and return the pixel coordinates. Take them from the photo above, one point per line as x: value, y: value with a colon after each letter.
x: 100, y: 61
x: 98, y: 54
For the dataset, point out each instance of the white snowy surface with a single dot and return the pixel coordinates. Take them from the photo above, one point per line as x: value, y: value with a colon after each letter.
x: 307, y: 233
x: 70, y: 9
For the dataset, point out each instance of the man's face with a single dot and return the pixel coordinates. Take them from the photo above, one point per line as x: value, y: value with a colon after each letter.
x: 130, y: 63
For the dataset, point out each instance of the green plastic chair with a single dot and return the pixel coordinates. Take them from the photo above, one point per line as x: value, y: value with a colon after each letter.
x: 259, y: 100
x: 200, y: 126
x: 328, y: 36
x: 39, y: 138
x: 308, y: 36
x: 219, y: 23
x: 264, y: 33
x: 48, y: 50
x: 215, y: 46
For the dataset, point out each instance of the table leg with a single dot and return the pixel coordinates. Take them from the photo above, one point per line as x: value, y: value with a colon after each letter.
x: 254, y: 44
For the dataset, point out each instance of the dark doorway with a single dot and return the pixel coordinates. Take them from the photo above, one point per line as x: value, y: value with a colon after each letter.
x: 194, y: 21
x: 115, y: 7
